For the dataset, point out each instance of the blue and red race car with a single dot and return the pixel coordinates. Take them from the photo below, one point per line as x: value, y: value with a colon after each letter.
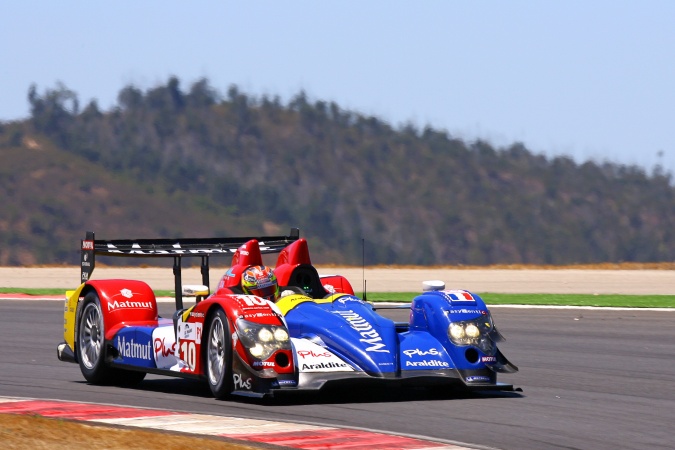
x: 319, y: 334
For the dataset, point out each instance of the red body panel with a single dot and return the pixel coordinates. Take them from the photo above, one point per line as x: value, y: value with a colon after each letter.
x: 246, y: 256
x: 251, y: 308
x: 337, y: 284
x: 125, y: 301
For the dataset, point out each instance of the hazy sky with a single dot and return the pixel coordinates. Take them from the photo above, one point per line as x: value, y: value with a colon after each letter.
x: 587, y: 79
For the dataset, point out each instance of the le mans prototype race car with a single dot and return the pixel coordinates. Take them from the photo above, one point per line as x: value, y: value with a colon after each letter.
x: 319, y: 335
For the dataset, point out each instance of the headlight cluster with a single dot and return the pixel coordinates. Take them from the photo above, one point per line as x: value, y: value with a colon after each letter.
x: 262, y: 340
x: 477, y: 332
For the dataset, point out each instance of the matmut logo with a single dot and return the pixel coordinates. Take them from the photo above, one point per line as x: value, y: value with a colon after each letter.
x: 128, y: 304
x: 368, y: 333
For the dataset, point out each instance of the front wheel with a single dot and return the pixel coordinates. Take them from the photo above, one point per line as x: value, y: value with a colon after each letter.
x: 218, y: 355
x: 91, y: 341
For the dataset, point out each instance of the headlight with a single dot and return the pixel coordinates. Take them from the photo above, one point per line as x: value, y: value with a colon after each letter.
x: 281, y: 335
x: 257, y: 350
x: 456, y: 331
x: 265, y: 335
x: 262, y: 340
x: 477, y: 332
x: 472, y: 331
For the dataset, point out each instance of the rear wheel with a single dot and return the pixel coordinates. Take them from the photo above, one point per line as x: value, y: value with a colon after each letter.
x: 218, y: 355
x: 91, y: 341
x: 91, y: 346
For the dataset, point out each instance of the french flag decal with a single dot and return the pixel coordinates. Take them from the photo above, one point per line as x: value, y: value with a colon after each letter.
x: 460, y: 296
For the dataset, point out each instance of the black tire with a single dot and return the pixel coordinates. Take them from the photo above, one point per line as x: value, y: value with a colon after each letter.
x: 90, y: 344
x: 91, y: 347
x: 218, y: 355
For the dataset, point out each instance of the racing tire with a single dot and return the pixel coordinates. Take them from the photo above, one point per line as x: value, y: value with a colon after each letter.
x: 90, y: 344
x: 218, y: 355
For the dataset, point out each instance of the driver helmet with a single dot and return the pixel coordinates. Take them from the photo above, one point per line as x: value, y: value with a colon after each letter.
x: 260, y: 281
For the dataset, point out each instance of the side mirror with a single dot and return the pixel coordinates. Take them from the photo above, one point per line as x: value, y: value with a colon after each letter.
x: 195, y: 290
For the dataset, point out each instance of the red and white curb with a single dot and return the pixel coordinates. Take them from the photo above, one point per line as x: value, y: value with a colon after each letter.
x: 296, y: 436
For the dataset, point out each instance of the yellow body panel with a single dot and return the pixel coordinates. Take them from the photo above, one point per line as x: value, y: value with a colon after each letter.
x: 289, y: 302
x: 72, y: 297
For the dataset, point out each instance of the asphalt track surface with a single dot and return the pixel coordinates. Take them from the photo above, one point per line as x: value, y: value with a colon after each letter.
x: 591, y: 379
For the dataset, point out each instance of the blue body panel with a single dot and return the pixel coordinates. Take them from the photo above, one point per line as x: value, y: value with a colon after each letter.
x: 354, y: 331
x: 351, y: 329
x: 135, y: 346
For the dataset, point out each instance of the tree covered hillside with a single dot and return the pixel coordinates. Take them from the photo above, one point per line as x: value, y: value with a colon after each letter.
x: 194, y: 162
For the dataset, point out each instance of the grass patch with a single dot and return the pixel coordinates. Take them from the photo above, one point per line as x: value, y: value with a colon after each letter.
x: 621, y: 301
x: 33, y: 291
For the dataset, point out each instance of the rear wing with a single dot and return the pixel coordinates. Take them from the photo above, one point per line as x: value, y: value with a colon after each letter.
x: 176, y: 249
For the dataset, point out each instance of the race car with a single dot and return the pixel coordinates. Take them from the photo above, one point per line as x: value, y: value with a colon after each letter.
x: 317, y: 335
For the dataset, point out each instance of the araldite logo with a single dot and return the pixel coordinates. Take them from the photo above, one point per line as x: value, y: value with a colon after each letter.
x: 87, y: 245
x: 430, y: 363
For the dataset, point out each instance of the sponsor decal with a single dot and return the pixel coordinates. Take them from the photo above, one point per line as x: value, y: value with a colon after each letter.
x: 240, y: 383
x: 460, y: 296
x: 368, y: 334
x: 189, y: 331
x: 197, y: 314
x: 163, y: 349
x: 312, y: 354
x: 164, y: 346
x: 259, y: 314
x: 468, y: 311
x: 251, y: 302
x: 417, y: 352
x: 477, y: 378
x: 263, y: 364
x: 126, y: 293
x: 430, y: 363
x: 288, y: 383
x: 136, y: 249
x: 348, y: 298
x: 87, y: 245
x: 314, y: 358
x: 133, y: 350
x: 115, y: 305
x: 488, y: 359
x: 329, y: 288
x: 323, y: 365
x: 85, y: 276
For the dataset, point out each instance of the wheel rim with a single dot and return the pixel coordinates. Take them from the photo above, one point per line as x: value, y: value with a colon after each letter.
x: 216, y: 352
x: 91, y: 335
